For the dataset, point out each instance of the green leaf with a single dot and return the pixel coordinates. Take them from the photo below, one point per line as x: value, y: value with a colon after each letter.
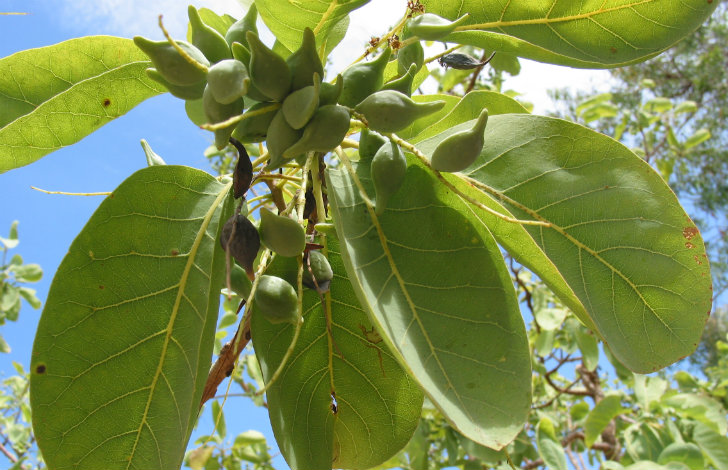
x: 12, y: 240
x: 644, y: 441
x: 28, y: 273
x: 377, y: 404
x: 649, y: 390
x: 700, y: 136
x: 549, y: 448
x: 617, y: 233
x: 4, y: 346
x: 435, y: 284
x: 600, y: 416
x: 218, y: 418
x: 713, y: 445
x: 469, y: 108
x: 701, y: 408
x: 588, y: 346
x: 687, y: 453
x: 197, y: 458
x: 54, y: 96
x: 29, y: 295
x: 550, y: 318
x: 123, y: 347
x: 336, y: 35
x: 592, y: 35
x: 287, y: 19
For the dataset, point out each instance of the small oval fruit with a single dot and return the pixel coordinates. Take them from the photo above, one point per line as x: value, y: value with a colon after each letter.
x: 268, y: 71
x: 391, y: 111
x: 299, y: 106
x: 281, y: 234
x: 321, y: 270
x: 236, y: 31
x: 280, y: 137
x: 432, y: 27
x: 188, y: 92
x: 217, y: 112
x: 411, y: 54
x: 388, y: 170
x: 244, y: 243
x: 228, y: 80
x: 239, y: 281
x: 402, y: 84
x: 326, y: 130
x: 369, y: 142
x: 276, y: 299
x: 206, y: 38
x: 170, y: 63
x: 304, y: 62
x: 363, y: 79
x: 460, y: 150
x: 330, y: 92
x: 255, y: 127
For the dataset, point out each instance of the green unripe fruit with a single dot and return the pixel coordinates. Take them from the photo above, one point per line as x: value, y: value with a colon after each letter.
x: 330, y: 92
x: 281, y: 234
x: 305, y: 62
x: 189, y: 92
x: 239, y: 281
x: 389, y: 167
x: 242, y: 54
x: 411, y: 54
x: 432, y: 27
x: 206, y: 38
x: 391, y: 111
x: 363, y: 79
x: 276, y: 299
x: 299, y: 106
x: 236, y: 32
x: 326, y: 130
x: 255, y: 128
x: 217, y: 112
x: 243, y: 244
x: 228, y: 80
x: 321, y: 270
x: 170, y: 64
x: 268, y: 71
x: 280, y: 137
x: 402, y: 84
x: 460, y: 150
x: 369, y: 142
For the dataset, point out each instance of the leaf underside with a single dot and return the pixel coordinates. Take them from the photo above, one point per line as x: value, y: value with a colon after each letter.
x: 54, y: 96
x: 436, y: 286
x: 377, y: 404
x: 125, y: 340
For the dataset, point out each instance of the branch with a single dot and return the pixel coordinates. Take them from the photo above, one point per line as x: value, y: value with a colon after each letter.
x: 7, y: 454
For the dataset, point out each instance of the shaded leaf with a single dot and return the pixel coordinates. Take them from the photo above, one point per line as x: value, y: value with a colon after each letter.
x: 377, y: 404
x: 124, y: 344
x: 618, y: 235
x: 54, y: 96
x: 713, y: 445
x: 600, y: 416
x: 549, y: 448
x: 592, y: 35
x: 687, y: 453
x: 441, y: 297
x: 701, y: 408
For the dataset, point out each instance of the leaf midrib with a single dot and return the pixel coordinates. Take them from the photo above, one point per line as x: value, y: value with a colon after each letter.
x: 175, y: 310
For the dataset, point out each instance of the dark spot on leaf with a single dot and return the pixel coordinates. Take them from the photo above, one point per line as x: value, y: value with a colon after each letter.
x: 613, y: 50
x: 689, y: 232
x: 689, y: 245
x: 606, y: 187
x: 697, y: 259
x: 470, y: 385
x: 40, y: 369
x: 174, y: 252
x: 107, y: 102
x: 101, y: 287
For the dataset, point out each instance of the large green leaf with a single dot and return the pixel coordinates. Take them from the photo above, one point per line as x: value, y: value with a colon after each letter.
x: 713, y: 445
x: 618, y: 235
x: 287, y: 20
x: 124, y: 343
x: 436, y: 286
x: 549, y: 447
x: 54, y: 96
x: 377, y: 404
x: 593, y: 33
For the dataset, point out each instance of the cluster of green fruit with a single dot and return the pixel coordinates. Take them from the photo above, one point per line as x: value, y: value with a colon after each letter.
x: 291, y: 108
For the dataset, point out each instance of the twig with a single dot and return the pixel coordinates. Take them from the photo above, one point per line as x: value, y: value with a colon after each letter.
x: 7, y: 454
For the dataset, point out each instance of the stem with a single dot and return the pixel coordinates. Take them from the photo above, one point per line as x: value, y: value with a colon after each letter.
x: 318, y: 194
x: 240, y: 117
x: 442, y: 54
x: 102, y: 193
x: 181, y: 51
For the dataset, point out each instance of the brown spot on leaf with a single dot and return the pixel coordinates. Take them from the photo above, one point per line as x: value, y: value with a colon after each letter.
x: 690, y: 232
x: 697, y: 259
x: 613, y: 50
x: 101, y: 287
x: 40, y: 369
x: 107, y: 102
x: 689, y: 245
x: 174, y: 252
